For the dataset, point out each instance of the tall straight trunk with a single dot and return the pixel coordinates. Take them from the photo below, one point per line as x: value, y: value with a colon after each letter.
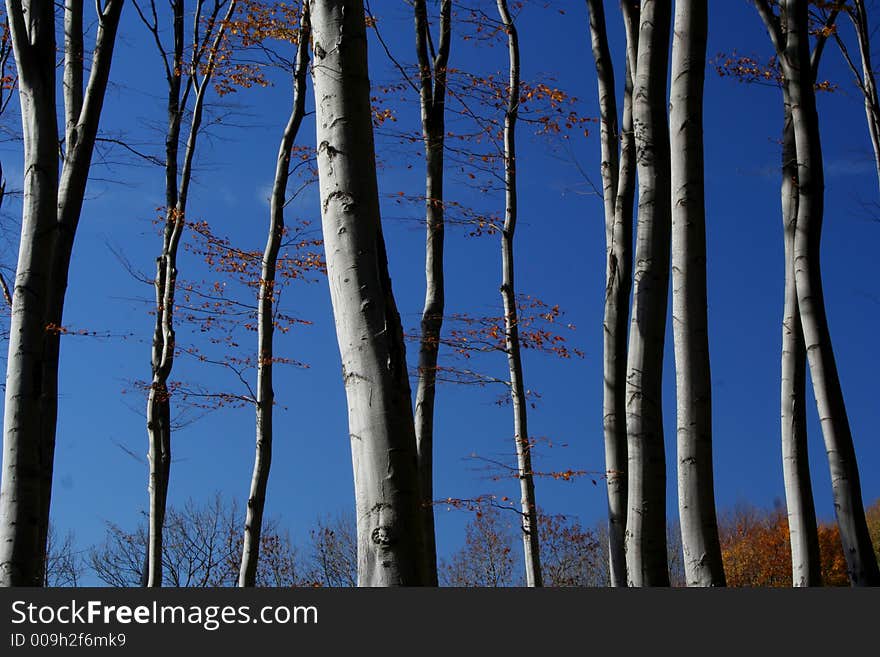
x: 21, y: 506
x: 803, y: 531
x: 50, y: 215
x: 165, y: 284
x: 432, y: 91
x: 391, y: 549
x: 696, y: 492
x: 82, y: 114
x: 618, y: 187
x: 861, y: 561
x: 265, y: 402
x: 646, y: 514
x: 528, y: 506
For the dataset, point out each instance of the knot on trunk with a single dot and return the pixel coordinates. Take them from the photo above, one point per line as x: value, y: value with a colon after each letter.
x: 383, y: 536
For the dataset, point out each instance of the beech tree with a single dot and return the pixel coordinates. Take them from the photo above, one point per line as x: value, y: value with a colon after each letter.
x: 432, y: 91
x: 186, y: 74
x: 391, y: 545
x: 646, y: 484
x: 696, y: 492
x: 618, y: 190
x: 54, y: 186
x: 864, y: 72
x: 789, y: 33
x: 803, y: 528
x: 266, y: 305
x: 529, y: 511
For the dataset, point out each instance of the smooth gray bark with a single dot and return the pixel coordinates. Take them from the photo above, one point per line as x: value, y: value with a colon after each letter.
x: 859, y: 17
x: 50, y: 215
x: 391, y: 549
x: 865, y: 79
x: 432, y: 91
x: 696, y: 492
x: 846, y: 487
x: 266, y: 304
x: 528, y: 506
x: 165, y: 283
x: 618, y: 190
x: 646, y: 483
x: 803, y: 530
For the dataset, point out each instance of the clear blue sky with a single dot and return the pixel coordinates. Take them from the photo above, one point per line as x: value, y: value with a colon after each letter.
x: 560, y: 258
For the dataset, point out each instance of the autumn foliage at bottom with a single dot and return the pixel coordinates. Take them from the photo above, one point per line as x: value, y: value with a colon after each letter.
x: 756, y: 548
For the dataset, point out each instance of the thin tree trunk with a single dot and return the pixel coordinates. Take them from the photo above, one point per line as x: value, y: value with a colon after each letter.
x: 646, y: 517
x: 803, y: 532
x: 859, y: 16
x: 861, y: 561
x: 49, y: 220
x: 176, y: 195
x: 266, y: 316
x: 433, y: 110
x: 391, y: 548
x: 696, y: 492
x: 528, y: 506
x: 618, y: 186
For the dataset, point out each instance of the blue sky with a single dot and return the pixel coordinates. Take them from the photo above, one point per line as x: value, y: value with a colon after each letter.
x: 560, y: 258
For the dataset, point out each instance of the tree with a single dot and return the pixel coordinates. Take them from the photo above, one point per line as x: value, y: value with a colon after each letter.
x: 64, y: 565
x: 432, y: 92
x: 696, y: 492
x: 50, y: 216
x: 865, y: 79
x: 757, y: 550
x: 333, y: 555
x: 184, y: 77
x: 391, y: 546
x: 795, y: 462
x: 529, y: 511
x: 201, y: 548
x: 266, y: 306
x: 571, y: 555
x: 646, y: 484
x: 872, y: 515
x: 618, y: 190
x: 486, y: 559
x: 790, y: 35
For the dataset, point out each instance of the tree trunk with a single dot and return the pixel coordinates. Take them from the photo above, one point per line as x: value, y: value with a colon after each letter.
x: 391, y: 548
x: 266, y: 316
x: 50, y: 215
x: 859, y: 16
x: 803, y: 532
x: 646, y: 517
x: 618, y: 181
x: 163, y: 347
x: 861, y: 561
x: 696, y: 492
x: 22, y: 548
x: 83, y: 112
x: 528, y: 506
x: 433, y: 110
